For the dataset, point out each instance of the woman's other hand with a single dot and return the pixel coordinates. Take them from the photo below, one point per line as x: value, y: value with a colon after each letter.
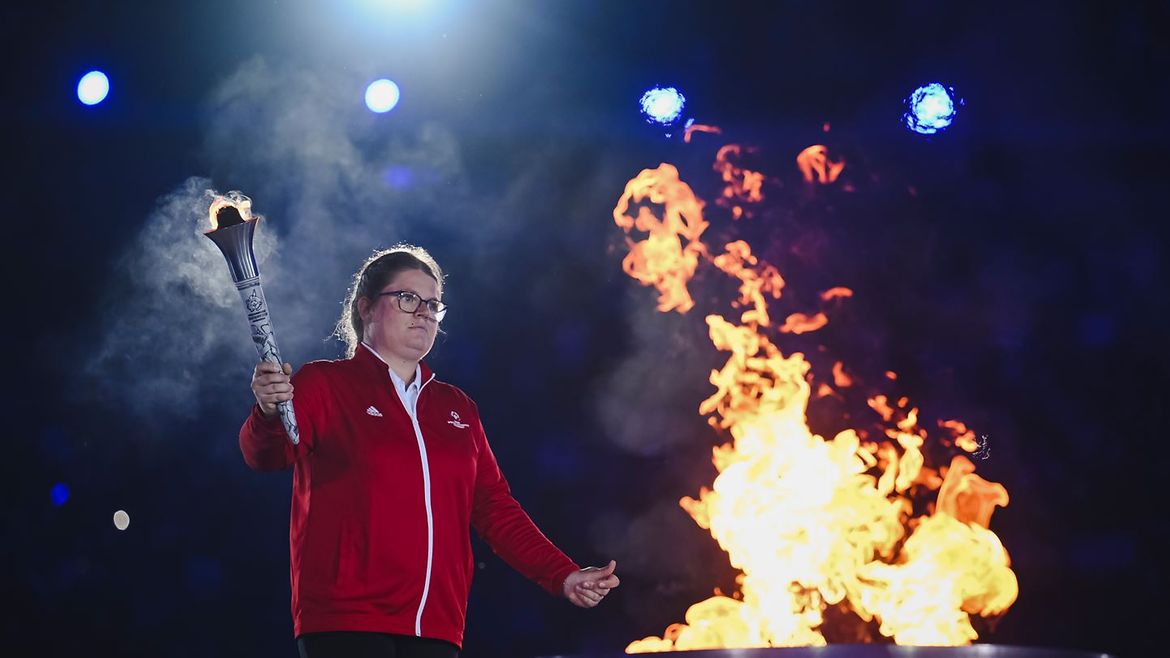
x: 586, y: 588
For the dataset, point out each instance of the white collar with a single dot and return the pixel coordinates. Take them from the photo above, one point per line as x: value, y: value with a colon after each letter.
x: 398, y: 381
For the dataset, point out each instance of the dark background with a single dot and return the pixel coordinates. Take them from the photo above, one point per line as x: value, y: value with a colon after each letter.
x: 1020, y: 287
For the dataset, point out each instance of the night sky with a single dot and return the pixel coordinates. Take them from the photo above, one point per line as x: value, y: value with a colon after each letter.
x: 1011, y: 270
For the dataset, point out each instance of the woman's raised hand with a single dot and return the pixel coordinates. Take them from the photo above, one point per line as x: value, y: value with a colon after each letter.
x: 271, y: 384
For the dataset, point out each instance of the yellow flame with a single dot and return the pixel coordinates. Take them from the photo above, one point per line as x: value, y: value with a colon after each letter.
x: 737, y: 261
x: 811, y: 522
x: 667, y: 257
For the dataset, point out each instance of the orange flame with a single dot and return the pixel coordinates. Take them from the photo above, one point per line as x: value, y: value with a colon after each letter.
x: 964, y: 438
x: 836, y: 293
x: 811, y: 522
x: 742, y: 185
x: 799, y: 323
x: 736, y: 262
x: 815, y: 165
x: 699, y: 128
x: 235, y: 199
x: 841, y: 379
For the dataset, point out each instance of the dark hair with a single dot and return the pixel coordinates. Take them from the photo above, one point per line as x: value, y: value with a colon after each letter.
x: 374, y: 274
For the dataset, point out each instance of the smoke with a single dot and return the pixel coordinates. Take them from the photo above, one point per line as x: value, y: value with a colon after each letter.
x: 648, y: 406
x: 649, y: 403
x: 335, y: 181
x: 160, y: 330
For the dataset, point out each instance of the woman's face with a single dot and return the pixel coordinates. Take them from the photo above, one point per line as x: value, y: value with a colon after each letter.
x: 408, y: 336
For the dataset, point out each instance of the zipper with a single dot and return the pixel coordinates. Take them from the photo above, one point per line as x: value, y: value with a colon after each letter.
x: 426, y: 469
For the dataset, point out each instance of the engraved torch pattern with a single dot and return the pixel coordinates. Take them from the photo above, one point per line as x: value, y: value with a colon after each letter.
x: 233, y: 229
x: 252, y: 294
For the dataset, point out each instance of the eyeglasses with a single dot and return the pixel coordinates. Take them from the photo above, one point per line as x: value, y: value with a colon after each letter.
x: 409, y: 303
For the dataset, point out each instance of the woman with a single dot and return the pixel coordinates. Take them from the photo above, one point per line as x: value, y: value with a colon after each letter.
x: 392, y: 468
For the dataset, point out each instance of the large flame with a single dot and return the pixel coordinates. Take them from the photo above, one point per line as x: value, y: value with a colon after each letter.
x: 812, y: 522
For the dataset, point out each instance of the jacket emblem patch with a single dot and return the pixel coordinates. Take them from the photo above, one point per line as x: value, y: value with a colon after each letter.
x: 455, y: 421
x: 374, y: 412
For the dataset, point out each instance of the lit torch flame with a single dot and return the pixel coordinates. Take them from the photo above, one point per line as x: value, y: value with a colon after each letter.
x: 226, y: 203
x: 812, y: 522
x: 232, y: 230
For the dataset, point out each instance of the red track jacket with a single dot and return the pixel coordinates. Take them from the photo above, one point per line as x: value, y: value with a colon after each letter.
x: 381, y: 506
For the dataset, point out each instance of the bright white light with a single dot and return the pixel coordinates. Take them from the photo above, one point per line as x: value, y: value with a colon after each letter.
x: 931, y: 108
x: 662, y: 105
x: 93, y: 88
x: 121, y: 520
x: 382, y: 95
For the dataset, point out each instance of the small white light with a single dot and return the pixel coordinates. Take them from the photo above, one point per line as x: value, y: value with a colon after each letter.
x: 382, y: 95
x: 662, y: 105
x: 121, y: 520
x: 93, y: 88
x: 931, y: 108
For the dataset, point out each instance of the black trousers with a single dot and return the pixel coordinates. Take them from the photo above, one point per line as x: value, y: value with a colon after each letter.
x: 356, y: 644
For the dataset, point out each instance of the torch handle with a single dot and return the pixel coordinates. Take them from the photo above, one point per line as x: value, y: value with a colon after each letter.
x: 252, y: 294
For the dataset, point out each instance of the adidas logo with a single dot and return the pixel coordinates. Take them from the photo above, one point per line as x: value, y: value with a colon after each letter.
x: 374, y: 412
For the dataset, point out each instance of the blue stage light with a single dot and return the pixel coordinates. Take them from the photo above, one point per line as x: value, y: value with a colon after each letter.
x: 93, y: 88
x: 60, y: 493
x: 382, y: 95
x: 399, y: 177
x: 663, y: 105
x: 931, y: 108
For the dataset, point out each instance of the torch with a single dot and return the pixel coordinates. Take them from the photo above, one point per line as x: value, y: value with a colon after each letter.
x: 232, y: 230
